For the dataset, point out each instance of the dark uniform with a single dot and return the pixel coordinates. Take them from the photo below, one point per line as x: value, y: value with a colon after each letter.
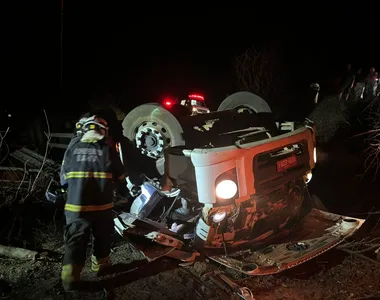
x: 347, y: 82
x: 89, y: 169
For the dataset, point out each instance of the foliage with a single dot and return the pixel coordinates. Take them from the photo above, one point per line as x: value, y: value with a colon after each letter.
x: 260, y: 71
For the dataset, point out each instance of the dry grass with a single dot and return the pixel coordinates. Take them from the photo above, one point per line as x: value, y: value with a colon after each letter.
x: 372, y: 139
x: 21, y: 183
x: 258, y: 72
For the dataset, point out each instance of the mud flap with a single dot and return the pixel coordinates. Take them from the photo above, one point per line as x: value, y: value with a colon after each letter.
x: 318, y: 232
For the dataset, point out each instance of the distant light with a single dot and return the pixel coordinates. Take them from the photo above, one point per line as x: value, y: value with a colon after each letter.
x: 168, y: 102
x: 9, y: 115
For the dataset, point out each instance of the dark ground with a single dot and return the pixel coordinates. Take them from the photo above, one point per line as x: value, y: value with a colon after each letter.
x: 332, y: 275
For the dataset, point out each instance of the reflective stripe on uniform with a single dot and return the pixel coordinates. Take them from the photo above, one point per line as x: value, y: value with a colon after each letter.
x: 82, y: 208
x: 80, y: 174
x: 90, y: 140
x: 98, y: 264
x: 70, y: 273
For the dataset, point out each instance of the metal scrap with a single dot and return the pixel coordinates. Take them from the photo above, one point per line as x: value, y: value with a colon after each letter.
x: 243, y: 292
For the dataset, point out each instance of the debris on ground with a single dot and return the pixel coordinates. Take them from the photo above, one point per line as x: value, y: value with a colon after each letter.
x: 27, y: 176
x: 350, y: 278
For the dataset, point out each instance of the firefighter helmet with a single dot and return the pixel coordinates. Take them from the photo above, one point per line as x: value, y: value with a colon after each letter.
x: 79, y: 126
x: 93, y: 123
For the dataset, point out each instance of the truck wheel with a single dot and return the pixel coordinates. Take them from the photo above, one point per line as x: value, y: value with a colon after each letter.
x: 245, y: 102
x: 152, y: 128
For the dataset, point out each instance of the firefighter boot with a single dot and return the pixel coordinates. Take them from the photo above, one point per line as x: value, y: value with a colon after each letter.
x: 100, y: 264
x: 70, y: 276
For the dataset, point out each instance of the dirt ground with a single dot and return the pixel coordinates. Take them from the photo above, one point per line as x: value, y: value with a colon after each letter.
x: 333, y: 275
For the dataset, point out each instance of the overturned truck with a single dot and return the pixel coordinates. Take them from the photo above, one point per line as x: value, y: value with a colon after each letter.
x: 228, y: 185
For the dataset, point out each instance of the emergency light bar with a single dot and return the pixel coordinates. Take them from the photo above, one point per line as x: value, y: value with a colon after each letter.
x: 196, y: 97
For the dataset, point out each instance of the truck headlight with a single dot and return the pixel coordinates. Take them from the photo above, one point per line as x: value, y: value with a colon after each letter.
x: 219, y: 217
x: 226, y: 189
x: 308, y: 177
x: 315, y: 155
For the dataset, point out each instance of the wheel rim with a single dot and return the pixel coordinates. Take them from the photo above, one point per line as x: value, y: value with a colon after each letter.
x: 152, y: 138
x: 245, y: 109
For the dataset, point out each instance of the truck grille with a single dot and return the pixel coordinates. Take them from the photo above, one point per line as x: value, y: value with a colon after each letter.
x: 265, y: 168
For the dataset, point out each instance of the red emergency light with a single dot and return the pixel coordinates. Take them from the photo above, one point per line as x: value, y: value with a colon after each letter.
x: 168, y: 103
x: 196, y: 97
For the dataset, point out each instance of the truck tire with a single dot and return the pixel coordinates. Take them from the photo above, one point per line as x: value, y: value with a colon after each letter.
x: 152, y: 128
x: 245, y: 101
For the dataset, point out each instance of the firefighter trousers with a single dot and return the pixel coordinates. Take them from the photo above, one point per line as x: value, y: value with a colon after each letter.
x: 77, y: 233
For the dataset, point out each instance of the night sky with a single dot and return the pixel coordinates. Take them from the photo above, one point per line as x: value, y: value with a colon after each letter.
x: 139, y: 54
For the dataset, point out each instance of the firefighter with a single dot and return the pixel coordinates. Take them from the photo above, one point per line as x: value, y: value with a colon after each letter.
x: 89, y: 169
x: 347, y: 82
x: 370, y: 82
